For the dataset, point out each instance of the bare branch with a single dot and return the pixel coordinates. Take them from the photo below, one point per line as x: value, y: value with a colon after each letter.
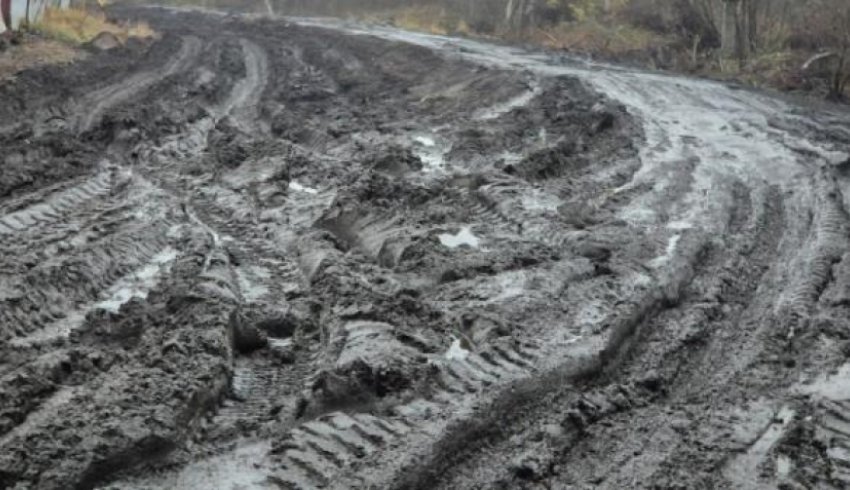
x: 816, y: 58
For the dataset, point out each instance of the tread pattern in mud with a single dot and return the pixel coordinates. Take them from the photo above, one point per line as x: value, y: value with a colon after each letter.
x: 315, y: 452
x: 56, y: 205
x: 833, y: 426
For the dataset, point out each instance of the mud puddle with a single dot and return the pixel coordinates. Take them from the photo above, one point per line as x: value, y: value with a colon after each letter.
x: 464, y: 237
x: 833, y: 386
x: 301, y: 188
x: 431, y: 151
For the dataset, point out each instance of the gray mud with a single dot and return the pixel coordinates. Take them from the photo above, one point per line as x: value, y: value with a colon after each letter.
x: 299, y: 253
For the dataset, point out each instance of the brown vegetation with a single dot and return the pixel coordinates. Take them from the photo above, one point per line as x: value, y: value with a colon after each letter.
x: 77, y: 26
x: 33, y: 51
x: 54, y: 37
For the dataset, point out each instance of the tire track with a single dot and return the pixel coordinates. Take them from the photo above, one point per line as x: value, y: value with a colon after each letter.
x: 246, y: 94
x: 56, y: 206
x: 324, y: 326
x: 332, y: 450
x: 99, y: 102
x: 831, y: 421
x: 825, y: 245
x: 240, y: 105
x: 44, y: 305
x: 89, y: 233
x: 382, y: 237
x: 315, y: 453
x: 656, y: 336
x: 688, y: 204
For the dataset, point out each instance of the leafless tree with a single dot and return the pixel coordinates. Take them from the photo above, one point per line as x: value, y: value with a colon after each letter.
x: 730, y: 29
x: 828, y: 21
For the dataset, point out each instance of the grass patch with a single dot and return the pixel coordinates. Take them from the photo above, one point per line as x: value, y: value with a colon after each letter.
x: 591, y: 36
x: 427, y: 18
x: 78, y: 26
x: 588, y: 35
x: 34, y: 52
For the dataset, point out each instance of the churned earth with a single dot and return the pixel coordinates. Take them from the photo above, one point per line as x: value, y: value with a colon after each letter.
x: 301, y: 253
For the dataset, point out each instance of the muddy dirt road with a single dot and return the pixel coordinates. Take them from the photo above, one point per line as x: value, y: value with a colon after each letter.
x: 267, y: 253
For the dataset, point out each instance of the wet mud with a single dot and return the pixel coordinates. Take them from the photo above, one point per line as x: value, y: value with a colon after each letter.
x: 301, y: 253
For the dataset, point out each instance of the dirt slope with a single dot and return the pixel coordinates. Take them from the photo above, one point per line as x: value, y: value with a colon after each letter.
x: 299, y: 254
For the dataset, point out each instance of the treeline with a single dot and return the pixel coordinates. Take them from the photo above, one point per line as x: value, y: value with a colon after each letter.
x: 773, y: 42
x: 719, y: 35
x: 742, y: 30
x: 716, y: 32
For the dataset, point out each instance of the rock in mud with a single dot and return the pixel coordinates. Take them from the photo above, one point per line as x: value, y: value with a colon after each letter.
x: 104, y: 41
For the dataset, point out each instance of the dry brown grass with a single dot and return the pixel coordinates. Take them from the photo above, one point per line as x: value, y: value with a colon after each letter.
x: 593, y: 37
x: 61, y: 30
x: 35, y: 52
x: 79, y: 26
x: 428, y: 18
x: 586, y: 35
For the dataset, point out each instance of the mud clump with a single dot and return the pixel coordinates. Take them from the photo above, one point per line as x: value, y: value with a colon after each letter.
x: 228, y: 146
x: 397, y: 162
x: 247, y: 336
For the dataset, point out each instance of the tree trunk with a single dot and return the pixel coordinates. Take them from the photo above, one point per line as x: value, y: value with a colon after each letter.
x: 6, y: 13
x: 523, y: 14
x: 729, y: 28
x: 741, y: 36
x: 695, y: 51
x: 752, y: 25
x: 515, y: 15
